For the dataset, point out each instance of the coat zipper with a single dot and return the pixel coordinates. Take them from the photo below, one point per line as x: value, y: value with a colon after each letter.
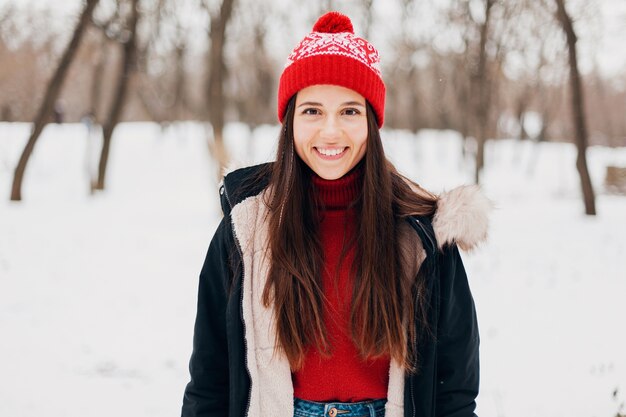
x: 245, y: 342
x: 410, y: 376
x: 430, y: 239
x: 433, y: 247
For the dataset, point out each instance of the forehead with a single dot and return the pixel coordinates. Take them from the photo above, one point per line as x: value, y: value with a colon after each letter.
x: 328, y: 95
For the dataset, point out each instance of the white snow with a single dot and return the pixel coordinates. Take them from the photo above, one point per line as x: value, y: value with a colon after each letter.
x: 98, y: 293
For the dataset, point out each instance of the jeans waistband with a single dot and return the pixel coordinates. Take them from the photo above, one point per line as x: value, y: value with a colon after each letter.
x: 303, y: 408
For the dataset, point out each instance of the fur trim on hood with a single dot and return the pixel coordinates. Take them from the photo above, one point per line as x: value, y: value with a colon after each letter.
x: 462, y: 217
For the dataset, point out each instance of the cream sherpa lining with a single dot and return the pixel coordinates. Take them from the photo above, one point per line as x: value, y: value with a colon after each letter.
x: 461, y: 217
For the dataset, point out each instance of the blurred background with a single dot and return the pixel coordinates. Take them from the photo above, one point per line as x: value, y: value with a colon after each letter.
x: 118, y: 118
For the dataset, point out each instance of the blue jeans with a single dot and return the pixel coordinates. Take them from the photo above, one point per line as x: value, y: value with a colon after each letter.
x: 303, y: 408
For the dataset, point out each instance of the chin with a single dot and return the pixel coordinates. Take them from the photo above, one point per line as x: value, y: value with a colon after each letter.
x: 333, y: 175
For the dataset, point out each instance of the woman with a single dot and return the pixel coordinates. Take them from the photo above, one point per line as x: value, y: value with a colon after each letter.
x: 333, y: 286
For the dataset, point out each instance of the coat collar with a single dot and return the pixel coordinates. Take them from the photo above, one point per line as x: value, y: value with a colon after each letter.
x: 462, y: 215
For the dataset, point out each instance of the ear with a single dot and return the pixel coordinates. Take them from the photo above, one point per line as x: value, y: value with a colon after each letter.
x: 462, y: 217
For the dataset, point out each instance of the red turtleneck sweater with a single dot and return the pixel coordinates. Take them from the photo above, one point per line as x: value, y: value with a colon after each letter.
x: 344, y: 376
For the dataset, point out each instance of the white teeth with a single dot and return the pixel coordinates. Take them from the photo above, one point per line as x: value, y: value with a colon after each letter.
x: 330, y: 152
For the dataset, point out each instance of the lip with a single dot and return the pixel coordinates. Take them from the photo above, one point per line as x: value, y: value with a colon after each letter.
x: 330, y: 157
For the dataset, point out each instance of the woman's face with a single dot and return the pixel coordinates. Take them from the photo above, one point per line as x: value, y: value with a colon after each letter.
x: 330, y: 129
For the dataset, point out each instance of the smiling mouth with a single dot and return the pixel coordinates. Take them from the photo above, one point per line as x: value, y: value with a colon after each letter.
x: 330, y: 153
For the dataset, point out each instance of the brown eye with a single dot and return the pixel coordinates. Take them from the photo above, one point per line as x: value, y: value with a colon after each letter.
x: 311, y: 111
x: 351, y: 112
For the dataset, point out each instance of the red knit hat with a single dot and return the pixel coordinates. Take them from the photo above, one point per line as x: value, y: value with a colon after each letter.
x: 332, y: 54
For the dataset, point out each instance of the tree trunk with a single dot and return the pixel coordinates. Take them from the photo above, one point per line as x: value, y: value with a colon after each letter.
x: 481, y: 83
x: 97, y: 80
x: 462, y: 88
x: 51, y: 95
x: 215, y: 85
x: 521, y: 107
x: 180, y: 82
x: 607, y: 119
x: 121, y: 92
x: 578, y: 112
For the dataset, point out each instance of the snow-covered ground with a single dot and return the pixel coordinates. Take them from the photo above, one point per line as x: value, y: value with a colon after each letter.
x: 97, y: 293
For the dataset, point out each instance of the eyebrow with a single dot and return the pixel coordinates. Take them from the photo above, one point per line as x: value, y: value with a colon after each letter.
x: 347, y: 103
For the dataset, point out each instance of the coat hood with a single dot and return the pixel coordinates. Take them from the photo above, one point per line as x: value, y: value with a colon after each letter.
x: 462, y: 217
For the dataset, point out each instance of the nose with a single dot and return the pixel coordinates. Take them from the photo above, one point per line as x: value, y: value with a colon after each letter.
x: 330, y: 128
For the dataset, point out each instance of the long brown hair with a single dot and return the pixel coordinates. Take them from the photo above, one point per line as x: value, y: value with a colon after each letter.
x: 387, y: 299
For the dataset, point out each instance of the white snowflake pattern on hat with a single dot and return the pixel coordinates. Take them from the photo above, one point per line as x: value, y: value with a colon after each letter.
x: 342, y: 43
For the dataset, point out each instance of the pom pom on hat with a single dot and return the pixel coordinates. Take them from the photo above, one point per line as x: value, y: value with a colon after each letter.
x: 333, y: 22
x: 333, y: 54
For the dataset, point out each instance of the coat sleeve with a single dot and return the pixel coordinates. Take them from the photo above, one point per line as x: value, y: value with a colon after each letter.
x: 457, y: 341
x: 206, y: 395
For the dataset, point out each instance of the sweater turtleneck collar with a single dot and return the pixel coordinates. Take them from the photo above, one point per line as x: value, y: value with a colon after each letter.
x: 340, y: 193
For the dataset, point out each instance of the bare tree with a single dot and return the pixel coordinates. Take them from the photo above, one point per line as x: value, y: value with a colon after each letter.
x: 469, y: 75
x: 180, y: 79
x: 97, y: 78
x: 121, y: 92
x: 405, y: 100
x: 480, y: 84
x: 251, y: 87
x: 52, y: 92
x: 578, y: 106
x: 216, y: 100
x: 599, y: 99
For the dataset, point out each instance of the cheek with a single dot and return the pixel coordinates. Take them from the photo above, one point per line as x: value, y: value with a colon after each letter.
x: 359, y: 140
x: 300, y: 138
x: 361, y: 152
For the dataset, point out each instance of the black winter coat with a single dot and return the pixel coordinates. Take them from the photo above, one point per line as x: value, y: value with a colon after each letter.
x: 447, y: 382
